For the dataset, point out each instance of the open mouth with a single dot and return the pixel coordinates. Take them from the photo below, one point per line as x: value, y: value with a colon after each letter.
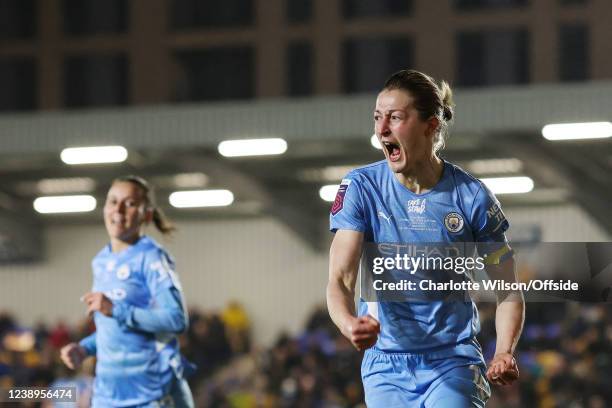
x: 118, y: 222
x: 393, y: 149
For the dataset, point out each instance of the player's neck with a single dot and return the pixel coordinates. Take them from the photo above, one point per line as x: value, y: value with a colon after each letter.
x: 118, y: 244
x: 423, y: 176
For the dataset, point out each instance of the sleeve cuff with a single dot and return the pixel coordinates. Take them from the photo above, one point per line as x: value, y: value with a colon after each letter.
x: 357, y: 228
x: 89, y: 348
x: 121, y: 312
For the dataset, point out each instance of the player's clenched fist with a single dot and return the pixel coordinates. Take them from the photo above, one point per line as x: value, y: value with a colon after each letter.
x: 503, y: 369
x: 98, y: 302
x: 362, y: 332
x: 73, y: 355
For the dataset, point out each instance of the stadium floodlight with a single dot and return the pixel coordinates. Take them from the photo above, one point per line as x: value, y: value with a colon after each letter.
x: 201, y: 198
x: 252, y: 147
x: 577, y: 131
x: 375, y: 142
x: 509, y: 185
x: 64, y: 204
x: 328, y: 192
x: 94, y: 154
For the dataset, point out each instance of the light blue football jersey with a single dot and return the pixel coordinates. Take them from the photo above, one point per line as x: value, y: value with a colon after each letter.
x: 459, y: 208
x: 133, y: 366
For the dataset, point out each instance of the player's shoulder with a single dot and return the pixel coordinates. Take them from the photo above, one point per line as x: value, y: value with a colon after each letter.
x: 464, y: 180
x: 364, y: 175
x: 102, y: 254
x: 368, y: 169
x: 153, y: 250
x: 147, y: 243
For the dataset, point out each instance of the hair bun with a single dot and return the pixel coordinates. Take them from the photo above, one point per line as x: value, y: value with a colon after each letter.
x: 447, y: 113
x: 446, y: 96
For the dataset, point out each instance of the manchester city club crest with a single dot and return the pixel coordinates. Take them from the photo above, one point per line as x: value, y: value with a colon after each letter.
x: 123, y: 272
x: 453, y: 222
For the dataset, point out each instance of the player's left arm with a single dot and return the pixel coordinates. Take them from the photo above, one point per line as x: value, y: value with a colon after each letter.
x: 509, y: 319
x: 490, y: 224
x: 89, y: 344
x: 167, y: 315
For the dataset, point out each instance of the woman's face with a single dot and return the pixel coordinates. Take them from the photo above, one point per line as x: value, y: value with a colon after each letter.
x: 125, y: 211
x: 406, y: 139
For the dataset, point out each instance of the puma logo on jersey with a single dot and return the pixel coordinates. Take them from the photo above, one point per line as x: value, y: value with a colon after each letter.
x: 384, y: 216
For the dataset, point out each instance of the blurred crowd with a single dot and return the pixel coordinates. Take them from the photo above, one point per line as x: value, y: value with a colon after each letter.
x: 316, y: 368
x: 565, y: 357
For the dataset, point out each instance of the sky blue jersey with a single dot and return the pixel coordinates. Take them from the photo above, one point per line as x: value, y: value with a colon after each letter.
x: 459, y: 208
x: 137, y: 348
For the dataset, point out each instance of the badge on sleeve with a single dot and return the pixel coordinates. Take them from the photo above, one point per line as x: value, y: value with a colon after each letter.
x: 165, y: 270
x: 339, y: 201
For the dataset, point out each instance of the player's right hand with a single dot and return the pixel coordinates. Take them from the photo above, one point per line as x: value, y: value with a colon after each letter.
x: 363, y: 332
x: 73, y: 355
